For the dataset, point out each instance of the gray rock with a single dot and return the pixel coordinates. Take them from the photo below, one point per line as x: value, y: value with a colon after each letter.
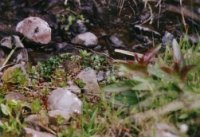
x: 35, y: 29
x: 87, y: 39
x: 62, y: 102
x: 116, y: 42
x: 11, y: 41
x: 88, y: 76
x: 33, y: 133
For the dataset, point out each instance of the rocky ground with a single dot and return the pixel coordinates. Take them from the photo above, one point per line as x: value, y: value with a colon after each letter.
x: 92, y: 68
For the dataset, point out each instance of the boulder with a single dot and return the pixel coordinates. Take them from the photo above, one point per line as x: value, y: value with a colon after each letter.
x: 35, y: 29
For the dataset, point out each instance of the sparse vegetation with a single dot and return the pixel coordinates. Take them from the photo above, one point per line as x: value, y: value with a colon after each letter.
x: 146, y: 70
x: 159, y: 87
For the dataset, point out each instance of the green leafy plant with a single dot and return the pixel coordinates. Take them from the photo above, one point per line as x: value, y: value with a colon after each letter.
x: 46, y: 68
x: 12, y: 112
x: 91, y: 60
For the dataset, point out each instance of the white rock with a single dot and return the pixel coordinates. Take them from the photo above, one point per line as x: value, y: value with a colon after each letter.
x: 86, y: 39
x: 183, y: 128
x: 35, y: 29
x: 62, y: 102
x: 33, y: 133
x: 88, y: 76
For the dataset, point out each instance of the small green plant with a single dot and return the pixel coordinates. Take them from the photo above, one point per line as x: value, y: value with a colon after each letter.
x: 91, y: 60
x: 20, y: 77
x: 15, y: 75
x: 11, y: 110
x: 36, y: 106
x: 68, y: 20
x: 46, y: 68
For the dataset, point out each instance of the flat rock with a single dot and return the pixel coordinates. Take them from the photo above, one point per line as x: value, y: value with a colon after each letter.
x: 62, y: 102
x: 35, y: 29
x: 87, y: 39
x: 88, y: 76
